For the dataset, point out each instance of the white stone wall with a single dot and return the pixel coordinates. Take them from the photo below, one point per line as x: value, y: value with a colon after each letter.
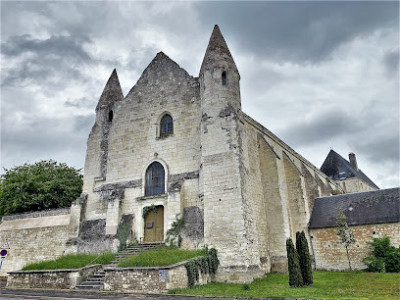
x: 134, y: 142
x: 35, y: 237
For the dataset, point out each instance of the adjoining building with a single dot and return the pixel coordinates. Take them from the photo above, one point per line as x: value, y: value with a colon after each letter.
x: 346, y: 173
x: 373, y: 214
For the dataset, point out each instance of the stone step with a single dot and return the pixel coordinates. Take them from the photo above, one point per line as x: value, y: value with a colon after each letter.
x: 97, y: 279
x: 95, y: 287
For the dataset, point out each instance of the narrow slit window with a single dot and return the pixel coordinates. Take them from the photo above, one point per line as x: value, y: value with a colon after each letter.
x: 223, y: 76
x: 155, y: 180
x: 110, y: 116
x: 167, y: 126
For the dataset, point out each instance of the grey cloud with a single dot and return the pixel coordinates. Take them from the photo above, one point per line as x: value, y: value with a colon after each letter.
x: 83, y: 102
x: 381, y: 148
x: 299, y: 31
x: 327, y: 125
x: 49, y: 60
x: 391, y: 62
x: 84, y: 123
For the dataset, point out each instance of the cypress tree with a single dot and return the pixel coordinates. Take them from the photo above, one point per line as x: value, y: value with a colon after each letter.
x: 304, y: 257
x: 295, y: 278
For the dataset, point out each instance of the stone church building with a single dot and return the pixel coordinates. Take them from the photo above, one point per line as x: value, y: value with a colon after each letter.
x: 180, y: 146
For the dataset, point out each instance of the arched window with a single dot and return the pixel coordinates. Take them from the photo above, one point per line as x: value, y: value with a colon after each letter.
x: 155, y: 180
x: 223, y: 77
x: 166, y: 125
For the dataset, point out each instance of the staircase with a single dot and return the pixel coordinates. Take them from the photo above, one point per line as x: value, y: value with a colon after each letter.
x: 133, y: 250
x: 95, y: 282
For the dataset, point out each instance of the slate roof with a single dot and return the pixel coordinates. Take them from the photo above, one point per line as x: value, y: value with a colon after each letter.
x: 334, y: 164
x: 373, y: 207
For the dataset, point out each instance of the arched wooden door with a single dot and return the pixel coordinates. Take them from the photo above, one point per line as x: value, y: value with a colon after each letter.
x: 154, y: 225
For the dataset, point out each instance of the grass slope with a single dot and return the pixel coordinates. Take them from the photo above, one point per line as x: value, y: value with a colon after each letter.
x: 327, y: 285
x: 71, y: 261
x: 160, y: 257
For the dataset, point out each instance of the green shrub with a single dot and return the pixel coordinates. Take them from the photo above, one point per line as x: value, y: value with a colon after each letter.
x: 375, y: 264
x: 246, y: 287
x: 207, y: 264
x: 380, y: 246
x: 304, y: 257
x: 392, y: 261
x: 295, y: 277
x: 383, y: 256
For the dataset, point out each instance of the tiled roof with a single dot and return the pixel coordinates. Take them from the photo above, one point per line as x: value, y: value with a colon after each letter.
x: 374, y: 207
x: 334, y: 164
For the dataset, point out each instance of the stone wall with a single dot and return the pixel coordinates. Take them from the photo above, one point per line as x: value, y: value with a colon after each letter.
x: 355, y: 185
x: 134, y: 142
x: 150, y: 279
x: 281, y: 186
x: 330, y: 254
x: 49, y: 279
x: 36, y: 236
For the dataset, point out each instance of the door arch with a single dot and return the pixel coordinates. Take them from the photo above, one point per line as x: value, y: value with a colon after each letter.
x: 154, y: 225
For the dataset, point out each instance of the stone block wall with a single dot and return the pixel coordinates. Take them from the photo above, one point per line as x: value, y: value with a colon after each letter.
x: 49, y: 279
x: 149, y: 280
x: 35, y: 236
x: 330, y: 254
x: 281, y: 186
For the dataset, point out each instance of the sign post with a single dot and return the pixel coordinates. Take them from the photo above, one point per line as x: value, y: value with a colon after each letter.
x: 4, y: 249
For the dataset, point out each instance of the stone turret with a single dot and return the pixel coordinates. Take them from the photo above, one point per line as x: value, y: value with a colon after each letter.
x: 221, y: 161
x: 219, y: 74
x: 112, y: 91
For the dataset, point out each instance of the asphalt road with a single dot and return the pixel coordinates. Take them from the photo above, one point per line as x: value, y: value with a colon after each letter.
x: 53, y: 294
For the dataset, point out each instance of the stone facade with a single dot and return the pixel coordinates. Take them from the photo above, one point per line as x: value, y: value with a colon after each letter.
x: 373, y: 214
x: 250, y: 190
x: 330, y: 254
x: 49, y: 279
x: 150, y: 279
x: 36, y: 236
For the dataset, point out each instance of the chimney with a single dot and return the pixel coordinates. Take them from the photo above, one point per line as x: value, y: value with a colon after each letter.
x: 353, y: 160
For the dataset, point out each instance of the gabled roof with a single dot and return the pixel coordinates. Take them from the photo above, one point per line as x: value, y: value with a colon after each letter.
x: 334, y: 164
x: 374, y: 207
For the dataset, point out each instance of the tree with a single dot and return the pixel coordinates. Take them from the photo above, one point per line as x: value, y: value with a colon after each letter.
x: 295, y: 277
x: 43, y: 185
x: 304, y: 257
x: 345, y: 234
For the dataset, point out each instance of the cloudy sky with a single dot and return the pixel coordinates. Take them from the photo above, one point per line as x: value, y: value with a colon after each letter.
x: 319, y: 75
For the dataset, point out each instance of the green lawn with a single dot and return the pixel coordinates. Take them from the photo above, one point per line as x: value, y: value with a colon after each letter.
x: 327, y: 285
x: 71, y: 261
x: 160, y: 257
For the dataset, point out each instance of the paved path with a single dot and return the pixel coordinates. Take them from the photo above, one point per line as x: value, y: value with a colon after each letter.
x: 6, y: 293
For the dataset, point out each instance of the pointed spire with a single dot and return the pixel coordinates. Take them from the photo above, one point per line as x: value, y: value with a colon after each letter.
x: 112, y: 91
x: 217, y: 53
